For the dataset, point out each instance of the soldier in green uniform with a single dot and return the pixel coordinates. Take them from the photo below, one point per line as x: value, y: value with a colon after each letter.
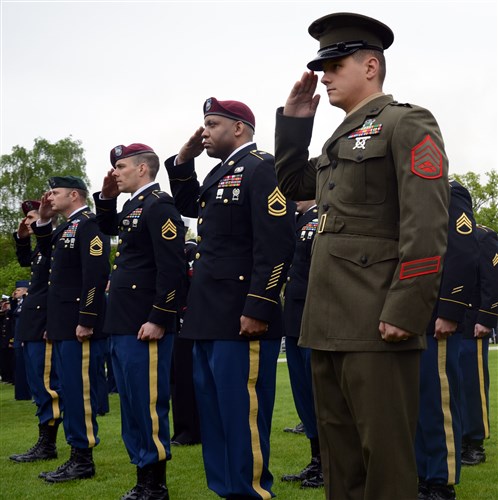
x: 382, y: 194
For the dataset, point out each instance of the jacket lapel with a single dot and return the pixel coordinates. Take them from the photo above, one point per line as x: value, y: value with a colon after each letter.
x: 136, y: 202
x: 223, y: 169
x: 357, y: 119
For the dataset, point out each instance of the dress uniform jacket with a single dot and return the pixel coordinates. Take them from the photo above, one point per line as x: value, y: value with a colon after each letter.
x: 484, y: 299
x: 79, y: 255
x: 245, y: 244
x: 461, y: 260
x: 382, y: 193
x: 439, y: 429
x: 149, y: 264
x: 297, y: 278
x: 33, y: 320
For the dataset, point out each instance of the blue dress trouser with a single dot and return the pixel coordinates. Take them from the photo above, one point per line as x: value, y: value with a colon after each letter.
x: 142, y: 372
x: 299, y: 365
x: 474, y: 372
x: 438, y: 440
x: 78, y: 364
x: 235, y: 390
x: 43, y: 380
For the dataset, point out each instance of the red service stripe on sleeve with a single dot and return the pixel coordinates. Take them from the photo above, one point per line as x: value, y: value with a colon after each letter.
x: 419, y: 267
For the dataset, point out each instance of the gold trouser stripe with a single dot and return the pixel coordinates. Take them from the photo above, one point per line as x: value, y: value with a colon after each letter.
x: 47, y: 368
x: 85, y: 379
x: 484, y: 408
x: 254, y: 350
x: 153, y: 356
x: 445, y: 407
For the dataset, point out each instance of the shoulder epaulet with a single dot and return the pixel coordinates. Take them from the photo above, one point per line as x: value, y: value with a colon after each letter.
x: 484, y: 228
x: 400, y: 104
x: 259, y: 154
x: 87, y: 214
x: 161, y: 194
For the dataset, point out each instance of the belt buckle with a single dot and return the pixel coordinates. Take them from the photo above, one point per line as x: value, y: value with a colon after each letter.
x: 321, y: 225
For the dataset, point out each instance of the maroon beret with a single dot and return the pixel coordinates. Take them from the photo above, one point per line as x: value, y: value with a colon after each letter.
x: 29, y: 205
x: 134, y: 149
x: 234, y: 110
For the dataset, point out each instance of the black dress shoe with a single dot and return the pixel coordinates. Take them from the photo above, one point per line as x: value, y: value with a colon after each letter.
x: 440, y: 492
x: 299, y: 429
x: 313, y: 469
x: 79, y: 466
x: 473, y: 454
x: 313, y: 482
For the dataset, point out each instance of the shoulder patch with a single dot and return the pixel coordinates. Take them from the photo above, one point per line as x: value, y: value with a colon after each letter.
x: 427, y: 160
x: 464, y: 224
x: 96, y: 247
x: 168, y: 230
x: 277, y: 203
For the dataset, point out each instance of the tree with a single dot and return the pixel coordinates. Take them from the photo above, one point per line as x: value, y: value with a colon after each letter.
x: 24, y: 174
x: 484, y: 197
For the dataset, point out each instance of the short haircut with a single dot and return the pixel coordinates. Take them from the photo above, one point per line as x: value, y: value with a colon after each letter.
x: 151, y: 160
x: 362, y: 54
x: 81, y: 192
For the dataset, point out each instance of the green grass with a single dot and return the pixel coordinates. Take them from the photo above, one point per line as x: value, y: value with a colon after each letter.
x: 186, y: 480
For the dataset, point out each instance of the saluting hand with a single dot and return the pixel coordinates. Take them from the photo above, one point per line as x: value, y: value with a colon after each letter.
x: 192, y: 148
x: 150, y: 331
x: 302, y: 102
x: 391, y: 333
x: 45, y: 211
x: 252, y: 327
x: 110, y: 186
x: 22, y: 230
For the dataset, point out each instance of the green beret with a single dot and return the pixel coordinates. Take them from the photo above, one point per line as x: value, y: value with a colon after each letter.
x: 68, y: 181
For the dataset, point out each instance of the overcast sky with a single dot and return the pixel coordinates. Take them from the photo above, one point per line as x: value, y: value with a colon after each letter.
x: 109, y: 73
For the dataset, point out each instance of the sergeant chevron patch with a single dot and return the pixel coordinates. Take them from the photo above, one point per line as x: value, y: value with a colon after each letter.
x: 277, y: 203
x: 464, y: 224
x: 96, y: 247
x: 168, y: 231
x: 495, y: 259
x: 427, y: 160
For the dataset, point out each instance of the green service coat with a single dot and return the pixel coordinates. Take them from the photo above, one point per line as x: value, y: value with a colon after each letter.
x: 381, y: 185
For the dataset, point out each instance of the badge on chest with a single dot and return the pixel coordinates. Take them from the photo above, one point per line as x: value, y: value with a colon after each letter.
x: 69, y: 234
x: 131, y: 220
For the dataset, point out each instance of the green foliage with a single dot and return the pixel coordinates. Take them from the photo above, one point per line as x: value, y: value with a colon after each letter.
x: 10, y: 270
x: 24, y: 174
x: 484, y: 196
x: 185, y: 472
